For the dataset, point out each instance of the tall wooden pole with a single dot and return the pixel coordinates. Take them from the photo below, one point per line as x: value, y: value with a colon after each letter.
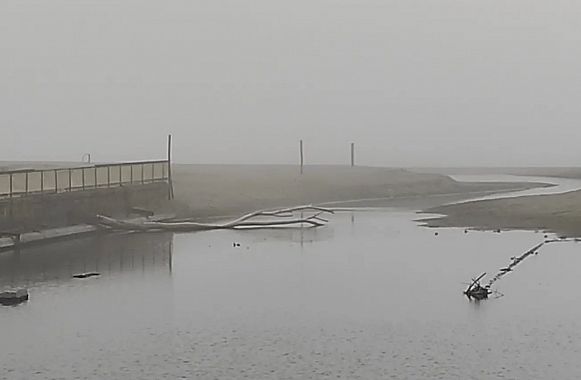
x: 352, y: 154
x: 169, y: 177
x: 302, y: 156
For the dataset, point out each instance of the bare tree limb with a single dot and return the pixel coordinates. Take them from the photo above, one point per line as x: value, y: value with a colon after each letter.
x: 245, y: 221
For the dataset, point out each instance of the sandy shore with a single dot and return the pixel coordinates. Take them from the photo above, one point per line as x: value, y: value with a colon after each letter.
x: 217, y: 190
x: 560, y: 213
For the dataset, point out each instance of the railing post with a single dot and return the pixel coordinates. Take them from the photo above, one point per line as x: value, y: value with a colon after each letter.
x: 42, y: 181
x: 169, y: 176
x: 56, y: 181
x: 11, y: 184
x: 83, y: 183
x: 108, y: 176
x: 142, y: 174
x: 152, y: 172
x: 131, y: 177
x: 120, y: 175
x: 70, y: 180
x: 95, y: 174
x: 26, y: 183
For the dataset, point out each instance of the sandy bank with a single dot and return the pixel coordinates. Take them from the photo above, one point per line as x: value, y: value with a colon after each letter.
x: 560, y: 213
x: 213, y: 190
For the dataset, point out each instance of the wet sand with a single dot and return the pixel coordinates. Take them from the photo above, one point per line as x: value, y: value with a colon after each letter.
x: 560, y: 213
x: 218, y: 190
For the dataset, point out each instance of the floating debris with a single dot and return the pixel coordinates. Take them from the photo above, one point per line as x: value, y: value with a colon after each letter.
x: 477, y: 291
x: 13, y: 297
x: 86, y: 275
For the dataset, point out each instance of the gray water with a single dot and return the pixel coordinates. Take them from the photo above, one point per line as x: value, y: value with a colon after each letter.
x: 370, y: 296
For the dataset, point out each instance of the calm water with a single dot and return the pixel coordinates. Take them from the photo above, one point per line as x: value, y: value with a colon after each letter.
x: 370, y: 296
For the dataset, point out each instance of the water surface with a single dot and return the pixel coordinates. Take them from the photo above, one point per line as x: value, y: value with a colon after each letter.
x: 370, y: 296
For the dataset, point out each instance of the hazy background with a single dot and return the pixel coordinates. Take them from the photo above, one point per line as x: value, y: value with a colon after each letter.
x: 433, y: 82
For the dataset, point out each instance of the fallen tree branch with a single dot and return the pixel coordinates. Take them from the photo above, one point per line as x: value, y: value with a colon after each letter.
x: 245, y: 221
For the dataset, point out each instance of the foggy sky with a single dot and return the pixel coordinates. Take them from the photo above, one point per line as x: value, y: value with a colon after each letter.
x: 431, y: 82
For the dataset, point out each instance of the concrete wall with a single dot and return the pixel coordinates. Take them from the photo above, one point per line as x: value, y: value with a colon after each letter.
x: 77, y: 207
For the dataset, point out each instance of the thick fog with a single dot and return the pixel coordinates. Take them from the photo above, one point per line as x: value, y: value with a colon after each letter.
x: 431, y: 82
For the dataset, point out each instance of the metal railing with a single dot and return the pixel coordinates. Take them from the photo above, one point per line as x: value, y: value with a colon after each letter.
x: 25, y: 182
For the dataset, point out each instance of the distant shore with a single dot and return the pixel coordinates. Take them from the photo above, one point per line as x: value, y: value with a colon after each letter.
x: 218, y: 190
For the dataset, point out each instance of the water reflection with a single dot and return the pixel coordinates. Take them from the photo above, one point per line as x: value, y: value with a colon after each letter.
x: 106, y: 254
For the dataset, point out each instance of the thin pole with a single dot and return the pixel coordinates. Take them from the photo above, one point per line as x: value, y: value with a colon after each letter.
x: 11, y: 184
x: 302, y: 156
x: 95, y: 175
x: 42, y: 181
x: 83, y: 178
x: 352, y: 154
x: 169, y: 176
x: 70, y: 180
x: 108, y: 176
x: 26, y: 183
x: 56, y: 181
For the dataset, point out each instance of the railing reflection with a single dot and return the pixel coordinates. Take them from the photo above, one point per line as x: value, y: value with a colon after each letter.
x: 107, y: 254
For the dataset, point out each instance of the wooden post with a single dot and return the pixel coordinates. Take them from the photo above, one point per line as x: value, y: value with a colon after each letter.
x: 352, y: 154
x: 56, y: 181
x: 26, y: 183
x: 131, y: 166
x: 142, y: 173
x: 95, y: 175
x: 169, y: 176
x: 108, y: 176
x: 302, y: 156
x: 70, y: 180
x: 42, y: 181
x: 11, y: 184
x: 83, y: 169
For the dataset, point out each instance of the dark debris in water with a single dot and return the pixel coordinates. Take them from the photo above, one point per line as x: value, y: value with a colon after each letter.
x: 86, y: 275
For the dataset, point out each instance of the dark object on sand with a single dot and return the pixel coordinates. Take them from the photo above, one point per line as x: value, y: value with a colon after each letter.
x: 13, y: 297
x: 86, y: 275
x: 476, y: 291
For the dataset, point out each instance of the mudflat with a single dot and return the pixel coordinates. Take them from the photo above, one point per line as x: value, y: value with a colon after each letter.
x: 219, y: 190
x: 560, y: 213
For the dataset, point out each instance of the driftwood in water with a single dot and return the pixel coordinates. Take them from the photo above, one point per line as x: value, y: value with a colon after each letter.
x: 275, y: 218
x: 86, y: 275
x: 475, y: 290
x: 515, y: 260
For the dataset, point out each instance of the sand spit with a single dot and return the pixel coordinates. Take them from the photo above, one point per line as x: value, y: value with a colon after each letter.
x: 216, y: 190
